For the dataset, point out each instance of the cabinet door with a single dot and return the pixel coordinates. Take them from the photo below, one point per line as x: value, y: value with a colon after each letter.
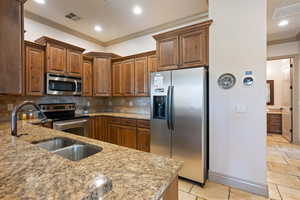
x: 11, y: 40
x: 127, y: 136
x: 34, y: 71
x: 152, y: 64
x: 87, y: 78
x: 194, y: 49
x: 127, y: 78
x: 56, y: 59
x: 116, y: 79
x: 141, y: 77
x: 113, y: 133
x: 74, y: 62
x: 102, y: 77
x: 168, y: 53
x: 143, y: 139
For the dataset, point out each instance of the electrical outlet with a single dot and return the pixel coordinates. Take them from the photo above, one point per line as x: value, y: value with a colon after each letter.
x: 10, y: 107
x: 110, y: 103
x: 130, y: 103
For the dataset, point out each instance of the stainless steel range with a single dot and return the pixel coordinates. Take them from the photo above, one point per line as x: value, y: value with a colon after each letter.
x: 65, y: 119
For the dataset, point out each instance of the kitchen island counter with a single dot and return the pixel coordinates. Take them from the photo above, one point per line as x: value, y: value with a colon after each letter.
x: 30, y: 172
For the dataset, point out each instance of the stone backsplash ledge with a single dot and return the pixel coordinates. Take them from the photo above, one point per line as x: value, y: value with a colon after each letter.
x: 140, y: 105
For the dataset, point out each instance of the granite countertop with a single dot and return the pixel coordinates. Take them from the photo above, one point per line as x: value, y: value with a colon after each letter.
x: 29, y: 172
x: 123, y: 115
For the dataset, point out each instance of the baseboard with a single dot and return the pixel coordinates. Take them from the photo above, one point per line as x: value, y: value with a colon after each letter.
x: 248, y: 186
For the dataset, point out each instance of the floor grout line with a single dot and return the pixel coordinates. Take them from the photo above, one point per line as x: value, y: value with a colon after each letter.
x: 229, y: 191
x: 278, y: 191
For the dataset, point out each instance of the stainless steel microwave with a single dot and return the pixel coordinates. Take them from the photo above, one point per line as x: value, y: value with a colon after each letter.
x: 63, y: 85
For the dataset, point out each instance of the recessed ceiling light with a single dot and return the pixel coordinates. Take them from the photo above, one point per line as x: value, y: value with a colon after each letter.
x: 137, y: 10
x: 283, y: 23
x: 40, y: 1
x: 98, y: 28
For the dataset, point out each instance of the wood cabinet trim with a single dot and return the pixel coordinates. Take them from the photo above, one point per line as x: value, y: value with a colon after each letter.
x: 144, y: 54
x: 46, y: 40
x: 191, y: 28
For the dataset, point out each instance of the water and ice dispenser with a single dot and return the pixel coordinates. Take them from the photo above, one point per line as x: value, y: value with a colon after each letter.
x: 160, y: 107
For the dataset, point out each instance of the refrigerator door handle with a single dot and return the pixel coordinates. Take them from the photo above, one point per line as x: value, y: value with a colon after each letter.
x: 169, y: 97
x: 171, y: 108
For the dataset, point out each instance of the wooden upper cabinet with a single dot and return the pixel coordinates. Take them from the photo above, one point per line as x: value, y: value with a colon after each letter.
x: 168, y: 53
x: 74, y: 62
x: 62, y: 58
x: 34, y: 67
x: 194, y: 49
x: 141, y: 77
x: 116, y: 79
x: 11, y: 40
x: 102, y: 77
x: 152, y: 64
x: 127, y: 78
x: 56, y: 59
x: 183, y: 48
x: 87, y: 77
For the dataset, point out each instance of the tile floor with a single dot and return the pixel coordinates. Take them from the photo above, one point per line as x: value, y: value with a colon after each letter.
x: 283, y: 162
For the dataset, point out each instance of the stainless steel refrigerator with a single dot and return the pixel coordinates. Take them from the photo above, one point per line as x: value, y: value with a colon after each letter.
x: 179, y: 119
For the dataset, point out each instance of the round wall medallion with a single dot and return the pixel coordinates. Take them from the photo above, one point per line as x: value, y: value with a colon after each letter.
x: 226, y: 81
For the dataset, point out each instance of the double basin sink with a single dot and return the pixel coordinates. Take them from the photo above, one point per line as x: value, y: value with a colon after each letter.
x: 68, y: 148
x: 75, y: 150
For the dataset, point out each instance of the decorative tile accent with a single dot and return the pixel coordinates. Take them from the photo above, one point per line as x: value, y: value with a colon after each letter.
x: 138, y: 105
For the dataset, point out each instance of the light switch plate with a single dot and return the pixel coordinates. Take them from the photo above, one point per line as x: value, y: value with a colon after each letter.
x: 241, y: 109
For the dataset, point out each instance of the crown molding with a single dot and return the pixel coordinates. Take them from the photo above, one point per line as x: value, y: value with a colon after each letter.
x: 156, y: 29
x: 60, y: 27
x: 285, y: 40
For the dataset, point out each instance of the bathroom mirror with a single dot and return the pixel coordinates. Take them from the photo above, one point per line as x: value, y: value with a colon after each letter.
x: 270, y: 92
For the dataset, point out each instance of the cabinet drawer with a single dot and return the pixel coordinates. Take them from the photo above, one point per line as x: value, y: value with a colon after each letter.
x: 128, y: 122
x: 143, y: 124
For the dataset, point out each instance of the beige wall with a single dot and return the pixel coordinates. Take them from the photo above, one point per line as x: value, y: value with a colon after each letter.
x: 141, y: 44
x: 237, y: 116
x: 35, y: 30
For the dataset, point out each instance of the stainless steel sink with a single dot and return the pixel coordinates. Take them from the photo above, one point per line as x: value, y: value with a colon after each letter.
x: 78, y: 151
x: 68, y: 148
x: 55, y: 143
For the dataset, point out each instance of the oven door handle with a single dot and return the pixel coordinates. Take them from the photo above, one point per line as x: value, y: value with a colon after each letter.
x: 69, y: 124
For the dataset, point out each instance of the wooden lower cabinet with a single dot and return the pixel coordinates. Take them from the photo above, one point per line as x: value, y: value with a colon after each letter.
x: 274, y: 123
x: 171, y: 192
x: 127, y: 137
x: 129, y: 133
x: 143, y: 139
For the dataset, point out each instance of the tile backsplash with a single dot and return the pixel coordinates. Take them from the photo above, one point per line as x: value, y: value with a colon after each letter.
x: 139, y: 105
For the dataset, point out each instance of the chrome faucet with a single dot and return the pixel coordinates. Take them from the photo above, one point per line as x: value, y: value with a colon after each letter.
x: 14, y: 115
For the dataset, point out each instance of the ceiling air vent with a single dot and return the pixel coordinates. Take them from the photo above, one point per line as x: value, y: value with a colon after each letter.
x: 287, y: 11
x: 73, y: 17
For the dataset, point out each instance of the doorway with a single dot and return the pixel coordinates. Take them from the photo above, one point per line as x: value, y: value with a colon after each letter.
x: 280, y: 98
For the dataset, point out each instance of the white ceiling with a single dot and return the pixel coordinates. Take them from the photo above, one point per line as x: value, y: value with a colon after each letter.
x: 117, y: 19
x: 274, y: 31
x: 115, y: 16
